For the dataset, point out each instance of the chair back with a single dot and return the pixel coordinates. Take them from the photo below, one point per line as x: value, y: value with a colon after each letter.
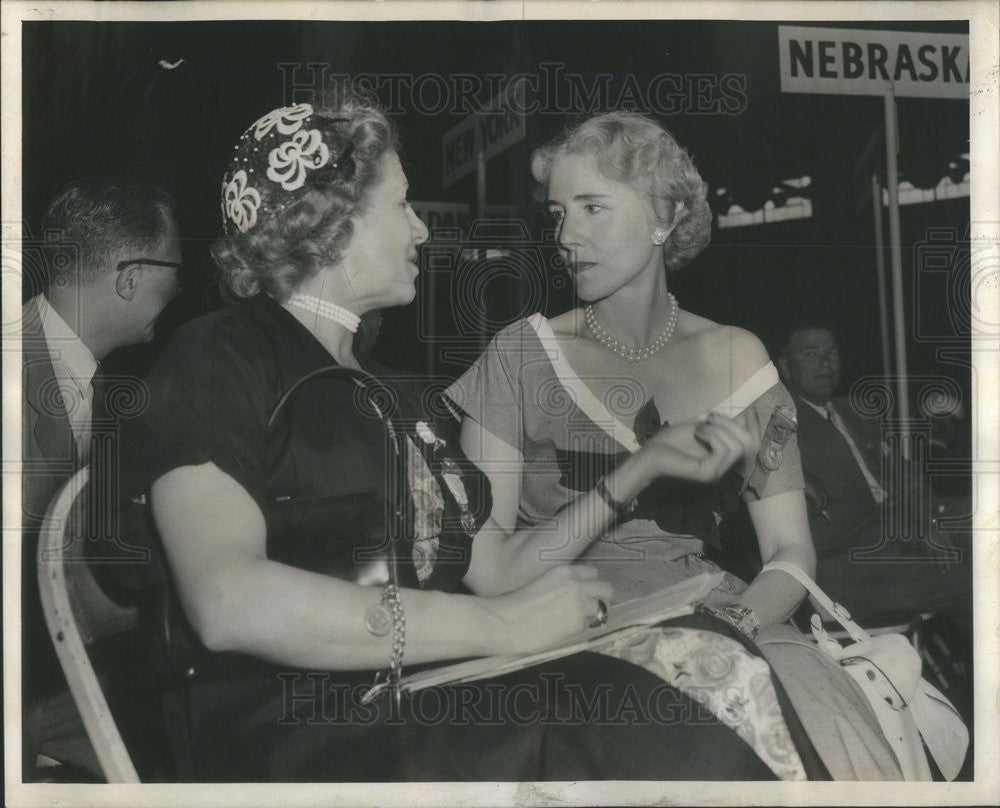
x: 78, y: 613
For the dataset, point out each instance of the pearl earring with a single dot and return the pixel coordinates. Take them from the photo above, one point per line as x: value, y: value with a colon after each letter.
x: 660, y: 236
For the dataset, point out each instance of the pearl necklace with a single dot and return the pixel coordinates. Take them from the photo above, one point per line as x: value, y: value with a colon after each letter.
x: 326, y: 310
x: 624, y: 351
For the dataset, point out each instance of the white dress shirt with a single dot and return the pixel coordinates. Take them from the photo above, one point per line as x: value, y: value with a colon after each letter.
x: 74, y: 366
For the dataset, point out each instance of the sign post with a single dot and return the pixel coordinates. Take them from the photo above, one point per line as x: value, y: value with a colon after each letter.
x: 896, y: 259
x: 842, y: 61
x: 868, y: 188
x: 883, y: 304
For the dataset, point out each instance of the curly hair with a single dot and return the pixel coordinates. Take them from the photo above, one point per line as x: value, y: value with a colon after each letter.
x: 282, y: 251
x: 633, y: 149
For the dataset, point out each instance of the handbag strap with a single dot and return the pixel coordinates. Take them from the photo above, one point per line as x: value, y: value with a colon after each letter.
x: 840, y: 614
x: 376, y: 390
x: 938, y: 723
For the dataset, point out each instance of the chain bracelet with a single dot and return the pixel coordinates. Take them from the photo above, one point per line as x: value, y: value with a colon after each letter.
x: 390, y: 598
x: 377, y: 620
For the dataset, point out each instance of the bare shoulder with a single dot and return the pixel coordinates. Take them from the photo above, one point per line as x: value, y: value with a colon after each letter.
x: 734, y: 351
x: 567, y: 324
x: 747, y: 351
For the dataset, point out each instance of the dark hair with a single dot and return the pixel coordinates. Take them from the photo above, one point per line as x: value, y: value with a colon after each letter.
x: 95, y: 222
x: 279, y: 252
x: 804, y: 324
x: 631, y: 148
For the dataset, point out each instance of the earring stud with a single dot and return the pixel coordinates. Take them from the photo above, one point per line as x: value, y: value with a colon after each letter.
x: 660, y: 236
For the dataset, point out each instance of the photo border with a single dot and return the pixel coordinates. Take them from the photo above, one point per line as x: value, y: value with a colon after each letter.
x: 985, y: 237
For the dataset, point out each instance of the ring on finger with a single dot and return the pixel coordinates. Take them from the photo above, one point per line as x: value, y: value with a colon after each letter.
x: 602, y: 615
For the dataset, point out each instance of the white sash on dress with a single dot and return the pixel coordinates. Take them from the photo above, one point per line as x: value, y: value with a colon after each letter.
x: 752, y: 389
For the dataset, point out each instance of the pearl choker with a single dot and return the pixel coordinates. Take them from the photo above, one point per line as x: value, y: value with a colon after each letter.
x: 326, y: 310
x: 624, y: 351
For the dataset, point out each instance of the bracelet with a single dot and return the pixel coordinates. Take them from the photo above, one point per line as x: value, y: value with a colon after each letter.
x: 742, y: 618
x: 378, y: 620
x: 390, y: 597
x: 619, y: 509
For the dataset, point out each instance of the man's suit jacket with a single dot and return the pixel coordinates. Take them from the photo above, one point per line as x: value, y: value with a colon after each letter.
x: 48, y: 454
x: 48, y: 460
x: 827, y: 457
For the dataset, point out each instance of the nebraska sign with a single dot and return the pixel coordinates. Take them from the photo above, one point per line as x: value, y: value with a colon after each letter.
x: 843, y: 61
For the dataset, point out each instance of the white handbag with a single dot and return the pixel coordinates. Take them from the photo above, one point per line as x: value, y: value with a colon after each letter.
x: 911, y: 712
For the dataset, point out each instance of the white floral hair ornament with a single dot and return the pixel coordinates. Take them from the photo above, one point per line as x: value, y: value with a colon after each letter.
x: 287, y: 119
x: 278, y: 158
x: 240, y: 203
x: 288, y: 163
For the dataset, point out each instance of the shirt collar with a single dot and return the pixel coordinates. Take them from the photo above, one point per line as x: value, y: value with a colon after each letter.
x: 64, y: 344
x: 824, y: 411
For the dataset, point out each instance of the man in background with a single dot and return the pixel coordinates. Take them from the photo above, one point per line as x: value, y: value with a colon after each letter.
x: 860, y: 563
x: 112, y: 251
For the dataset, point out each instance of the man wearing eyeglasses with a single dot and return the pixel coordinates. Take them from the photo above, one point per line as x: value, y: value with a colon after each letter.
x: 112, y: 252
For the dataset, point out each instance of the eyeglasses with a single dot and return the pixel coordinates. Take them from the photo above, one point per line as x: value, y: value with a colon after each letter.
x: 151, y: 262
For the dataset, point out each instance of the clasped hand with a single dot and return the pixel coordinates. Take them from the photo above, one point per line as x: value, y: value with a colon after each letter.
x: 699, y: 451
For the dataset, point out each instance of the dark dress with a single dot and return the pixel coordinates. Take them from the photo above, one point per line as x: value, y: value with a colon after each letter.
x: 319, y: 476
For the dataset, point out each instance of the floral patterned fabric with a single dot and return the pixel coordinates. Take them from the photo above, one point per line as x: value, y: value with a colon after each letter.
x: 719, y: 673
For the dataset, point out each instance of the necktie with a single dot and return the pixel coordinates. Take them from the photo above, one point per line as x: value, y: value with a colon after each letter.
x: 102, y: 495
x: 878, y: 493
x: 96, y: 424
x: 80, y: 409
x: 98, y: 384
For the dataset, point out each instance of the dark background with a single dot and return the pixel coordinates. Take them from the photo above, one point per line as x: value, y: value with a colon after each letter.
x: 96, y: 101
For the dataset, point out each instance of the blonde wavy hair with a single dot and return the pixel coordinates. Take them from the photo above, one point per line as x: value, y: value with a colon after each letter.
x: 633, y: 149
